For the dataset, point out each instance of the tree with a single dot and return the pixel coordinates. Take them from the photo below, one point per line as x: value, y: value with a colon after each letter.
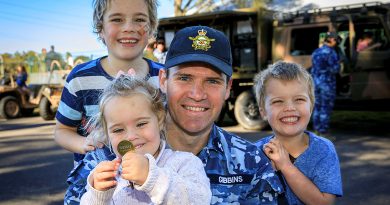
x: 182, y: 7
x: 186, y: 7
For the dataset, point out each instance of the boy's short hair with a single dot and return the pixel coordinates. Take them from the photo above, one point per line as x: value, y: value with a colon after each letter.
x: 100, y: 7
x: 282, y: 71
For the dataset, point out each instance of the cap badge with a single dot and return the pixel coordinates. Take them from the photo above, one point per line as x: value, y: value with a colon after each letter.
x: 201, y: 41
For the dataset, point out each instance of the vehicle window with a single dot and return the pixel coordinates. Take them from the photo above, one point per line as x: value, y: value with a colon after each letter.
x: 370, y: 35
x: 305, y: 40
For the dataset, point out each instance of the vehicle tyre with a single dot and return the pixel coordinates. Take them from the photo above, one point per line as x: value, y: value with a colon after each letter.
x: 9, y: 107
x: 247, y: 112
x: 45, y: 110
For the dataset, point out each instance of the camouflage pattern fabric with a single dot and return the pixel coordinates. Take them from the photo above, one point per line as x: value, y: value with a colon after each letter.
x: 77, y: 178
x: 239, y: 172
x: 325, y: 68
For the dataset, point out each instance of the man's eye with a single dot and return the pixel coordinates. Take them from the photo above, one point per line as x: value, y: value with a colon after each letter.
x: 214, y: 81
x: 183, y: 78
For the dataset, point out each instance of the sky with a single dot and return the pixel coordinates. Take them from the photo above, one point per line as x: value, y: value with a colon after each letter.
x: 67, y: 24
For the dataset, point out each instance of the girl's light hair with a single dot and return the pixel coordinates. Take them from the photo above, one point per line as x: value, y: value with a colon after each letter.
x: 126, y: 86
x: 100, y: 7
x: 282, y: 71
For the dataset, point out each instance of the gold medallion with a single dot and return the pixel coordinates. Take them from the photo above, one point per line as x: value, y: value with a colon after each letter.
x: 124, y: 146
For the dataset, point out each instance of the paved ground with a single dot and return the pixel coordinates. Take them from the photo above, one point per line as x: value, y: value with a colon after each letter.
x: 33, y: 168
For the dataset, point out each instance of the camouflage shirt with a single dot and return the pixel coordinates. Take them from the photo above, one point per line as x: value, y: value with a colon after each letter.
x: 239, y: 172
x: 325, y: 65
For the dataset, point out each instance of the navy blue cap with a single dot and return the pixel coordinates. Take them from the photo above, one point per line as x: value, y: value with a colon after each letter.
x: 200, y: 44
x: 333, y: 35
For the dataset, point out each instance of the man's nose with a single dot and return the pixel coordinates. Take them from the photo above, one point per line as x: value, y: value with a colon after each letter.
x: 198, y: 91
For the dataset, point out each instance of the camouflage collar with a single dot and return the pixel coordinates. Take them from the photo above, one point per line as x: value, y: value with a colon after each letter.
x: 214, y: 142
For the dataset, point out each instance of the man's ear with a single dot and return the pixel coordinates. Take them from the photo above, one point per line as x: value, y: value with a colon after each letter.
x: 228, y: 88
x: 162, y: 76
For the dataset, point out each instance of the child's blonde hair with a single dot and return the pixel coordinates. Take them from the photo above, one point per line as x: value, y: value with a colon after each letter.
x: 282, y: 71
x: 126, y: 86
x: 100, y: 7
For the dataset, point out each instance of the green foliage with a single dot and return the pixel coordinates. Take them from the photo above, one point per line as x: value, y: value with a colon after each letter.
x: 35, y: 62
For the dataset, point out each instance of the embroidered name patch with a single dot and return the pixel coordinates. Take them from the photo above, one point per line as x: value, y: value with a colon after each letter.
x: 230, y: 179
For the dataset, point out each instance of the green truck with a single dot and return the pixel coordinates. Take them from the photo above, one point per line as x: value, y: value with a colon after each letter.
x: 260, y: 37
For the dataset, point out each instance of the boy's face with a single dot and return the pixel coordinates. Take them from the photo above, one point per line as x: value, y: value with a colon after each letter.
x: 131, y: 118
x: 125, y: 28
x: 286, y: 107
x: 195, y: 96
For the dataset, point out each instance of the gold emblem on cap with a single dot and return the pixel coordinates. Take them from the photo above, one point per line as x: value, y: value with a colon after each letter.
x: 125, y: 146
x: 201, y: 41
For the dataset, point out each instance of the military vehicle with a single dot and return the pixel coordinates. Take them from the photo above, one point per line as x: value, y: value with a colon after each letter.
x: 260, y: 37
x: 44, y: 93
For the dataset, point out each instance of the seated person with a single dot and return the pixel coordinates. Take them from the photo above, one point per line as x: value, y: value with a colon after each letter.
x: 21, y: 76
x: 21, y: 79
x: 366, y: 42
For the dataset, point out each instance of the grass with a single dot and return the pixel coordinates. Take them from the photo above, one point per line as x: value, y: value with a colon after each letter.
x: 364, y: 121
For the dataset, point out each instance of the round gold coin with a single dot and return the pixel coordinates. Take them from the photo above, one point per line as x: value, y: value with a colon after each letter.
x: 125, y: 146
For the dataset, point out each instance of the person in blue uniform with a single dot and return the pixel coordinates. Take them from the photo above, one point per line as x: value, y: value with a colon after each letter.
x: 325, y: 67
x: 197, y: 81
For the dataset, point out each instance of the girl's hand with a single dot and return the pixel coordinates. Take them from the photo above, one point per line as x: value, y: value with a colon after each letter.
x: 104, y: 175
x: 135, y: 167
x: 277, y: 153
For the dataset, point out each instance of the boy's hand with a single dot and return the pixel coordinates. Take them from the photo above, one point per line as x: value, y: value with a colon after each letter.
x: 135, y: 167
x: 90, y: 146
x: 104, y: 175
x: 277, y: 153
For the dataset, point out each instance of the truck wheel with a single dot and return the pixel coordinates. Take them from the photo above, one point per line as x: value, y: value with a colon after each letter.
x: 247, y: 112
x: 9, y: 107
x: 45, y: 110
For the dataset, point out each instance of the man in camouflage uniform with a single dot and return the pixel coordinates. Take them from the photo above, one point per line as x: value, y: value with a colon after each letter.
x: 326, y: 65
x: 197, y: 81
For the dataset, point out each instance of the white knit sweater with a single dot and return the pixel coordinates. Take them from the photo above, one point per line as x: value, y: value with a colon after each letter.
x: 174, y: 178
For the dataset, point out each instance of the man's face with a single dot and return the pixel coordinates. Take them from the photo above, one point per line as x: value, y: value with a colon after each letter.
x: 195, y: 94
x: 332, y: 42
